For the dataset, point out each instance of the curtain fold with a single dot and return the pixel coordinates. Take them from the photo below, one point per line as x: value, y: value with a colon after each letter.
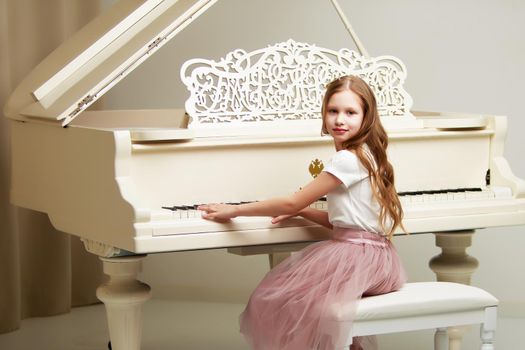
x: 42, y: 271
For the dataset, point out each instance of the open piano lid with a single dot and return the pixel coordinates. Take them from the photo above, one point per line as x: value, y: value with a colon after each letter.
x: 98, y: 56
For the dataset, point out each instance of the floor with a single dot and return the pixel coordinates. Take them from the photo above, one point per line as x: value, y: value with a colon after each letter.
x: 198, y: 326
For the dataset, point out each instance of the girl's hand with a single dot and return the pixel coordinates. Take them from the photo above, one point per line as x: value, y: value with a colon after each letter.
x: 277, y: 219
x: 218, y: 212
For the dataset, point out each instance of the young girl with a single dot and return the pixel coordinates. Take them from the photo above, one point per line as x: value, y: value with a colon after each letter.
x: 308, y: 301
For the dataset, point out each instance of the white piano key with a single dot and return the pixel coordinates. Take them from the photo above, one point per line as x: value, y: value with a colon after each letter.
x: 164, y: 214
x: 321, y: 205
x: 428, y: 198
x: 194, y: 214
x: 417, y: 198
x: 478, y: 195
x: 459, y: 196
x: 501, y: 192
x: 458, y: 208
x: 443, y: 197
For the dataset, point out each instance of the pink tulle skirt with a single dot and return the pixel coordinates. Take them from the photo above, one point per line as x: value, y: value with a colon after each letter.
x: 293, y: 306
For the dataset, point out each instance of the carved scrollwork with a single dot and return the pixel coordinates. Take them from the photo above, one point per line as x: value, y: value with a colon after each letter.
x: 285, y: 81
x: 100, y: 249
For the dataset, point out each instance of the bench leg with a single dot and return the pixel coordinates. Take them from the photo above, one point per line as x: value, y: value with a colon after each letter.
x: 441, y: 339
x: 488, y: 328
x: 487, y: 339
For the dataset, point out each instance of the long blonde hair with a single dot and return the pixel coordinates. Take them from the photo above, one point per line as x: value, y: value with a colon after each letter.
x: 374, y: 136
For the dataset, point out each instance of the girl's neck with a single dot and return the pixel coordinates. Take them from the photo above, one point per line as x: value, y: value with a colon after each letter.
x: 340, y: 147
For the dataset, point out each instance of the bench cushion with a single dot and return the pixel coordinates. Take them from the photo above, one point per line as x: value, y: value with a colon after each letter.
x: 420, y: 298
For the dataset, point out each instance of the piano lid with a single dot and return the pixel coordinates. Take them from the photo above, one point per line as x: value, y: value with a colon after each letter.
x: 98, y: 56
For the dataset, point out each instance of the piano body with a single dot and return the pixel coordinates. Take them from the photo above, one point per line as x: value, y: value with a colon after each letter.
x: 105, y: 176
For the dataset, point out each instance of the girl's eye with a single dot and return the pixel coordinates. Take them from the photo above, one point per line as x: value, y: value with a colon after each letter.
x: 332, y: 111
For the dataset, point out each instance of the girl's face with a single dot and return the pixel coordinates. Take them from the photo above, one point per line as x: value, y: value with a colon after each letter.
x: 343, y: 116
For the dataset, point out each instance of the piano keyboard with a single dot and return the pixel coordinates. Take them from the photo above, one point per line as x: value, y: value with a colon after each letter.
x: 450, y: 195
x: 181, y: 212
x: 183, y: 219
x: 190, y: 211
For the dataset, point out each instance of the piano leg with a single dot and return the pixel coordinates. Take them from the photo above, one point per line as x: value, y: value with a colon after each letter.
x: 123, y: 296
x: 454, y: 265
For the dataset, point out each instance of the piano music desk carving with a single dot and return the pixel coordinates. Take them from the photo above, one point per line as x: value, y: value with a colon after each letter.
x: 255, y: 115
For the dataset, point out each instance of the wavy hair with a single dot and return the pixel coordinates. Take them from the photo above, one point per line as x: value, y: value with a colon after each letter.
x: 374, y: 136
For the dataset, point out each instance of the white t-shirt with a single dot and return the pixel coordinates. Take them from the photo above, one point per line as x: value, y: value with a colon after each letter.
x: 352, y: 204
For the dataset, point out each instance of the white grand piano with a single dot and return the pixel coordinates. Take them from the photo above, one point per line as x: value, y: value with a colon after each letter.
x: 127, y: 182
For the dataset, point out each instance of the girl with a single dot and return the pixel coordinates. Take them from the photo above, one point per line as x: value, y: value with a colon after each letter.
x: 308, y: 301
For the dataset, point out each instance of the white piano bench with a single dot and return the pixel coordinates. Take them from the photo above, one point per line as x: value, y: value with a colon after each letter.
x: 425, y: 305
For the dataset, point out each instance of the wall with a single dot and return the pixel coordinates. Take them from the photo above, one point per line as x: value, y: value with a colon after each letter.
x: 462, y: 56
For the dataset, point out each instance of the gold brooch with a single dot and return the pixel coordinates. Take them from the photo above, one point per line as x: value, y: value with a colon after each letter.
x: 315, y: 168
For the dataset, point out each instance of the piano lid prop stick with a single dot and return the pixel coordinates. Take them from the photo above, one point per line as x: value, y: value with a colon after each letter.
x: 348, y: 27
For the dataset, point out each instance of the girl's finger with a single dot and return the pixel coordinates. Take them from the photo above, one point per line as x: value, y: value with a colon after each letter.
x: 207, y: 207
x: 279, y: 218
x: 207, y: 216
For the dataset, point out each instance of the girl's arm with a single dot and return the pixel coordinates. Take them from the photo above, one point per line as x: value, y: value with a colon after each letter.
x: 318, y: 216
x: 290, y: 205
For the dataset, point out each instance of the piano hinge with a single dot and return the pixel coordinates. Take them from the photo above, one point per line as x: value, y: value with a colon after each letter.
x: 487, y: 178
x: 82, y: 105
x: 155, y: 43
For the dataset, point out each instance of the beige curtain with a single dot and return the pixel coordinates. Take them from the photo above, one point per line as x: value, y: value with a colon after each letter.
x: 39, y: 266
